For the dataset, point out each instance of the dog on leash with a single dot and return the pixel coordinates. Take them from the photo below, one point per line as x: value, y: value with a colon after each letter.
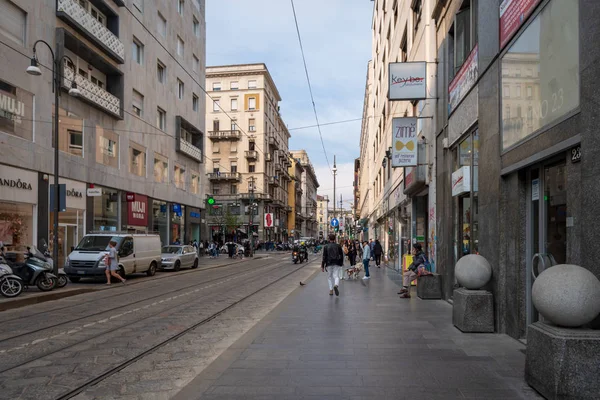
x: 354, y: 272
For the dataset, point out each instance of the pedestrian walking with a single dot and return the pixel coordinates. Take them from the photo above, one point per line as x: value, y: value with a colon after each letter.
x: 377, y: 251
x: 112, y: 263
x: 371, y: 246
x: 333, y: 260
x: 365, y: 259
x: 411, y: 273
x: 200, y: 248
x: 352, y: 252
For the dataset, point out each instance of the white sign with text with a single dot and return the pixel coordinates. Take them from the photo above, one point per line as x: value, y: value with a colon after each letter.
x: 407, y: 81
x: 404, y: 142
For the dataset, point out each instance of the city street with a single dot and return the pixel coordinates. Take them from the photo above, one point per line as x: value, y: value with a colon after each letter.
x: 166, y: 329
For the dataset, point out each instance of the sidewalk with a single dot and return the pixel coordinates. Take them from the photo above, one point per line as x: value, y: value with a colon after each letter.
x: 365, y: 344
x: 34, y: 296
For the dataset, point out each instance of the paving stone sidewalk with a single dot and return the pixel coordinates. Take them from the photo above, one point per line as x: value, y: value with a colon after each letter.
x: 365, y: 344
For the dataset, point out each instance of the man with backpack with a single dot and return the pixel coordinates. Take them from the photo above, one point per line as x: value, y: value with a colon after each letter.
x: 333, y: 257
x: 411, y: 273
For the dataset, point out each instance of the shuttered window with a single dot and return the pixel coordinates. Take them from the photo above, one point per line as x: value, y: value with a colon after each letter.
x: 12, y: 21
x: 137, y: 102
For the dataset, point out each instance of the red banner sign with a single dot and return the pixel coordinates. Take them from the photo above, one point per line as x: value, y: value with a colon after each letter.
x: 512, y: 15
x: 137, y: 211
x: 130, y: 197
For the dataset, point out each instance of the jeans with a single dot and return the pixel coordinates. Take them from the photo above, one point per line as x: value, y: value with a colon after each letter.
x: 333, y: 276
x: 366, y: 266
x: 408, y: 277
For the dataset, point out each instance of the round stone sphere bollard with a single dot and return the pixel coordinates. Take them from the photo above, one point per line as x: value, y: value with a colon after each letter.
x: 567, y: 295
x: 473, y: 271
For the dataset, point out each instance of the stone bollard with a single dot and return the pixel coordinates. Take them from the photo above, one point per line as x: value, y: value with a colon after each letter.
x: 473, y: 308
x: 429, y: 287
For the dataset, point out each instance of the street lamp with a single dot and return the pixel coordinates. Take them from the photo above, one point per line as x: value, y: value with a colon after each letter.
x: 334, y: 169
x: 35, y: 70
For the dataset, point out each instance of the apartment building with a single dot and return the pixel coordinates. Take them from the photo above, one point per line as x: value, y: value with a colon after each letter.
x: 246, y: 153
x: 295, y: 217
x: 323, y: 216
x: 134, y: 134
x: 309, y: 185
x: 397, y: 204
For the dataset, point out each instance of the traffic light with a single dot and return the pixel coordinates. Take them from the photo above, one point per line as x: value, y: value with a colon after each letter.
x: 336, y: 229
x: 210, y: 201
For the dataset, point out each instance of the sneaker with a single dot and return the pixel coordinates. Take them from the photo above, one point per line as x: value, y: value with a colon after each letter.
x: 337, y: 291
x: 331, y: 292
x: 403, y: 290
x: 405, y: 296
x: 366, y: 277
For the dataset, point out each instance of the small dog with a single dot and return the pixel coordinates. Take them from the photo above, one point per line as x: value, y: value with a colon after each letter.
x: 354, y: 272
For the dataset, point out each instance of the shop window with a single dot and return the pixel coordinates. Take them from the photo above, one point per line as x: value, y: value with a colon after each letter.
x: 137, y: 160
x: 107, y: 147
x: 548, y: 49
x: 106, y: 210
x: 16, y: 225
x: 161, y: 168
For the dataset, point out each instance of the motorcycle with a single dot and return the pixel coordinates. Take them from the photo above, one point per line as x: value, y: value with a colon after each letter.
x: 62, y: 279
x: 295, y: 257
x: 10, y: 284
x: 298, y: 256
x: 35, y: 270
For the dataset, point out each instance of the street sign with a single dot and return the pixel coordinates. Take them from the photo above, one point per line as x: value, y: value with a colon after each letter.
x: 335, y: 222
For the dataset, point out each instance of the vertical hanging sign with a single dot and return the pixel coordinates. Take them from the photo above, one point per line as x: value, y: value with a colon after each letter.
x: 404, y: 142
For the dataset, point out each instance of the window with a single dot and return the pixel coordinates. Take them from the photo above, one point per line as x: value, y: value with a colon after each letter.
x: 233, y: 167
x: 235, y: 85
x: 216, y: 148
x: 552, y: 87
x: 465, y: 32
x: 196, y: 27
x: 251, y: 168
x: 234, y: 125
x: 83, y: 73
x: 252, y: 84
x: 180, y: 46
x: 195, y: 64
x: 194, y: 102
x: 162, y: 25
x: 137, y: 160
x: 137, y: 103
x: 139, y: 4
x: 417, y: 8
x: 107, y: 150
x: 403, y: 46
x: 234, y: 104
x: 138, y: 51
x: 216, y: 125
x: 195, y: 183
x: 161, y: 168
x: 518, y: 91
x: 506, y: 91
x: 161, y: 72
x: 251, y: 125
x: 180, y: 6
x: 252, y: 146
x: 216, y: 105
x: 180, y: 88
x: 233, y: 190
x: 233, y: 147
x: 12, y: 22
x: 161, y: 118
x: 97, y: 82
x: 179, y: 177
x: 252, y: 103
x: 75, y: 142
x: 216, y: 86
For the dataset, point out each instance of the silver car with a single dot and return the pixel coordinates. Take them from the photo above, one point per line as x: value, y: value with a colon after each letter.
x: 174, y: 257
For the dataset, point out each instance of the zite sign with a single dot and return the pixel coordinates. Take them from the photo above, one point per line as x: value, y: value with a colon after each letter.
x: 461, y: 181
x: 404, y: 142
x: 268, y: 220
x: 407, y: 81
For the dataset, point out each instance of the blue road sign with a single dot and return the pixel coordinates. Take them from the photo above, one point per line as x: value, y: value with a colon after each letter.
x: 335, y: 222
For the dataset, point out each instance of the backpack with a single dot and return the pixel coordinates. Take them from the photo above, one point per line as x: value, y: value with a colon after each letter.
x: 333, y: 254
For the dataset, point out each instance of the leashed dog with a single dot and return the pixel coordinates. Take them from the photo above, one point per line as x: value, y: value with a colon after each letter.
x: 354, y: 272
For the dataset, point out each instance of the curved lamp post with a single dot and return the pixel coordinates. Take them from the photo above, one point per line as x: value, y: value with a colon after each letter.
x: 35, y: 70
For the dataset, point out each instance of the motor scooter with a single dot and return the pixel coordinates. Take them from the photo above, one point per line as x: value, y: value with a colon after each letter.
x: 35, y: 270
x: 10, y: 284
x: 62, y: 279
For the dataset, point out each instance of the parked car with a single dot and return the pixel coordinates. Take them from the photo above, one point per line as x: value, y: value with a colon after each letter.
x: 137, y: 253
x: 225, y: 250
x: 175, y: 257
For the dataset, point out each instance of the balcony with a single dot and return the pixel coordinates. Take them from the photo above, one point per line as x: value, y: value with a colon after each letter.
x: 272, y: 141
x: 224, y: 176
x: 288, y: 209
x: 255, y: 196
x: 252, y: 155
x: 268, y: 157
x: 189, y: 139
x: 225, y: 135
x: 273, y: 181
x: 92, y: 94
x: 79, y: 19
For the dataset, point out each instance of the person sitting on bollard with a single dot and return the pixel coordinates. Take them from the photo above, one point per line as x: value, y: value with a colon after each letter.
x: 412, y: 272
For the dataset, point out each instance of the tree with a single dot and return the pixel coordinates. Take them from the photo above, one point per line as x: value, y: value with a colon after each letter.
x: 227, y: 220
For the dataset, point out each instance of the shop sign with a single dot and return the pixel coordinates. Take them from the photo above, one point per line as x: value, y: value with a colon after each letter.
x: 94, y: 192
x: 269, y: 220
x: 194, y: 214
x: 177, y: 209
x: 137, y: 211
x: 464, y: 80
x: 513, y: 14
x: 535, y: 189
x: 15, y: 110
x: 18, y: 185
x: 74, y: 193
x: 407, y: 81
x: 404, y: 142
x: 130, y: 197
x: 461, y: 181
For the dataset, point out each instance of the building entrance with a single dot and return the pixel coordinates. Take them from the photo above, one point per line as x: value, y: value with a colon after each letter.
x: 546, y: 222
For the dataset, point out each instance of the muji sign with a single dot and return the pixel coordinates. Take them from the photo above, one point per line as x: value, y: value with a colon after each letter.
x: 137, y: 210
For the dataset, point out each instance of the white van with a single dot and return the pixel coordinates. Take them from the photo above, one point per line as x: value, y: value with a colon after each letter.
x: 137, y: 253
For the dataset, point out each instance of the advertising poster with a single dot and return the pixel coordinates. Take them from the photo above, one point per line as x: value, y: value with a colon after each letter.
x: 269, y: 220
x: 404, y: 142
x: 407, y: 81
x: 513, y: 14
x: 463, y: 81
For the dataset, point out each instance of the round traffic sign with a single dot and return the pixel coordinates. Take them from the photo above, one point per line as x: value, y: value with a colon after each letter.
x: 335, y: 222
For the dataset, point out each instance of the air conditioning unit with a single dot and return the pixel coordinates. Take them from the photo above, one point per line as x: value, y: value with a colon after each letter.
x: 445, y: 143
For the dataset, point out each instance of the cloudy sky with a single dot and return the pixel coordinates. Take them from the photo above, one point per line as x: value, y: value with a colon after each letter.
x: 336, y: 35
